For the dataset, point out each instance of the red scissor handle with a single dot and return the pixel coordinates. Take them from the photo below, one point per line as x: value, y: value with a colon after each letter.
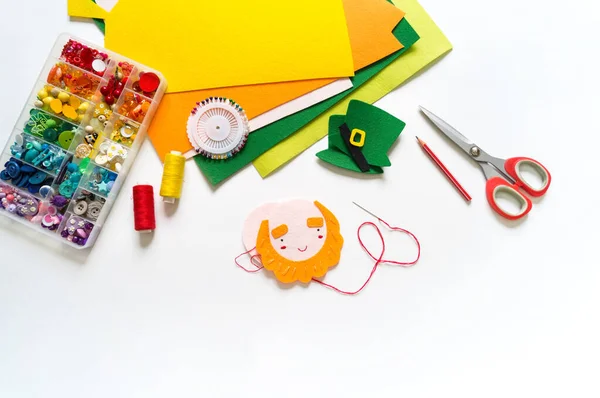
x: 513, y: 168
x: 498, y: 186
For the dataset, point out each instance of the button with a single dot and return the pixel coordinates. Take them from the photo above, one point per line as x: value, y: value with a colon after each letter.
x: 34, y: 188
x: 37, y: 178
x: 101, y: 160
x: 80, y: 208
x: 98, y: 66
x: 91, y: 138
x: 27, y: 169
x: 126, y: 131
x: 65, y: 138
x: 94, y: 209
x: 103, y: 148
x: 48, y: 220
x: 13, y: 169
x: 83, y: 151
x: 149, y: 82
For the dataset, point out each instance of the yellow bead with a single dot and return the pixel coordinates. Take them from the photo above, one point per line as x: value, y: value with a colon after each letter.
x: 80, y: 118
x: 83, y: 107
x: 69, y: 112
x: 47, y: 100
x: 74, y: 102
x: 56, y: 106
x: 42, y: 94
x: 64, y: 97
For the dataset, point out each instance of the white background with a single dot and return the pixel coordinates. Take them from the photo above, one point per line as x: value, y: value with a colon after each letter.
x: 493, y: 309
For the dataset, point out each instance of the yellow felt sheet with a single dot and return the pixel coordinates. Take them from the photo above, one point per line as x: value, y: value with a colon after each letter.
x: 432, y: 45
x: 222, y: 43
x: 370, y: 25
x: 85, y: 9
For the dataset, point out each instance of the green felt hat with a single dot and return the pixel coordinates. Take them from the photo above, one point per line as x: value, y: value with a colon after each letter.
x: 380, y: 128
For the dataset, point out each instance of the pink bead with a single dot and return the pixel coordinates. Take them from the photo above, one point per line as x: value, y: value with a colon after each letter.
x: 10, y: 197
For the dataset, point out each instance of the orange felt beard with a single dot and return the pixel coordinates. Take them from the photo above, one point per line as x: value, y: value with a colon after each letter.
x: 288, y: 271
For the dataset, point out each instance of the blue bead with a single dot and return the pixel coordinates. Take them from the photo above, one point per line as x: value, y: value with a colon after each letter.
x: 4, y: 175
x: 75, y: 177
x: 72, y: 167
x: 30, y: 155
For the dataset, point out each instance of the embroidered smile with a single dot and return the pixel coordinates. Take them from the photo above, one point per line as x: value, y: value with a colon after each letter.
x: 305, y: 249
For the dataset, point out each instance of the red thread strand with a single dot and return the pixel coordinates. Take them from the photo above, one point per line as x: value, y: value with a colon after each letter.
x: 143, y: 208
x: 258, y: 267
x: 378, y: 261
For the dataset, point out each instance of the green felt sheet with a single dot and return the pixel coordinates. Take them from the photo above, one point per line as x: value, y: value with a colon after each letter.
x: 259, y: 141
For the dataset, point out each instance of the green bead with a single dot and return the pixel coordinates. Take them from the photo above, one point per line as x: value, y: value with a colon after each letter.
x: 50, y: 123
x: 50, y: 135
x: 84, y: 164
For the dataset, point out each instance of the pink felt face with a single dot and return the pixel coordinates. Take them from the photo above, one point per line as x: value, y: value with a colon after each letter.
x: 301, y: 241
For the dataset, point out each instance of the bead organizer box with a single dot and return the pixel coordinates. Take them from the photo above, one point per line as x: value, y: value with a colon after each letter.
x: 76, y: 139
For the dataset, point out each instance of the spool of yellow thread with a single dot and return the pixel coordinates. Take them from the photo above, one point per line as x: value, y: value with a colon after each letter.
x: 172, y: 179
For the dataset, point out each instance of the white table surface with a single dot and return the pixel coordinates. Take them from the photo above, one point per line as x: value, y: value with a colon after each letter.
x: 492, y: 309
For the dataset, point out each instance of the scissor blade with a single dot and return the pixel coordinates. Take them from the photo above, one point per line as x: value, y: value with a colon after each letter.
x: 463, y: 142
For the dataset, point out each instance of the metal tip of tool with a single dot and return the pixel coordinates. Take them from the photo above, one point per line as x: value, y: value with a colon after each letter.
x: 365, y: 210
x: 425, y: 110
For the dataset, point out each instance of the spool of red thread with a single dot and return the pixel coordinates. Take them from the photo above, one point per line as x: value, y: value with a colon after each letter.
x: 143, y: 208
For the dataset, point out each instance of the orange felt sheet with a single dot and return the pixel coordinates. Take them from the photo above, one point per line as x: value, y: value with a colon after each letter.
x: 370, y: 25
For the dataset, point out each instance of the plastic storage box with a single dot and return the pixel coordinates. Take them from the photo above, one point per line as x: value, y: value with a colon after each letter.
x: 76, y: 139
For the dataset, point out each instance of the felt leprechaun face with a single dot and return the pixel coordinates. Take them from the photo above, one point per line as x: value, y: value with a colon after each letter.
x: 297, y: 240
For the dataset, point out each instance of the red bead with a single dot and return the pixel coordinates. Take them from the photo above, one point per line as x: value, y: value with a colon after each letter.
x: 117, y: 93
x: 109, y: 99
x: 104, y: 90
x: 149, y: 82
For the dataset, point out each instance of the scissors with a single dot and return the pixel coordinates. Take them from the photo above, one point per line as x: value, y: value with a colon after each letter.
x: 504, y: 176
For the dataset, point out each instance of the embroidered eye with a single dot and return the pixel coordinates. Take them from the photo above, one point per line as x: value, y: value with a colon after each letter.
x: 318, y: 229
x: 282, y: 240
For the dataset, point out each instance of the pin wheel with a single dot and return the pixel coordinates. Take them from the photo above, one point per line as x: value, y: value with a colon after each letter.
x: 360, y: 140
